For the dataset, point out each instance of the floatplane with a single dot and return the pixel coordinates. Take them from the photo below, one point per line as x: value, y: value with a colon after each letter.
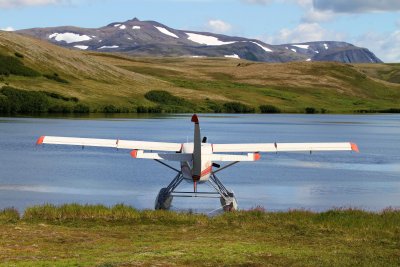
x: 197, y: 160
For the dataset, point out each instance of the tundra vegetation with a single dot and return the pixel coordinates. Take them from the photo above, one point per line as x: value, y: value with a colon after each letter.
x: 84, y: 235
x: 117, y: 83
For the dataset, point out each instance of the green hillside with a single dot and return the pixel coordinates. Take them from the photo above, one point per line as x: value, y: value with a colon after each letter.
x: 100, y: 82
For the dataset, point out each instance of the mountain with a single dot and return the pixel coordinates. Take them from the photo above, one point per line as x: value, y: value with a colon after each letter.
x: 150, y: 38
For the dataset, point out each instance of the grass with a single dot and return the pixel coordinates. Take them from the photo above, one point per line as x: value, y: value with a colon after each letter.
x: 12, y: 65
x: 103, y: 81
x: 75, y: 235
x: 55, y: 77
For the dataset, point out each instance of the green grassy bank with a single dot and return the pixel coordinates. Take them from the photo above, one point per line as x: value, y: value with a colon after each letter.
x: 74, y: 235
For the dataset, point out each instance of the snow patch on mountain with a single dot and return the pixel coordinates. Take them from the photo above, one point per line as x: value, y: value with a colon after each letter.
x: 326, y: 46
x: 122, y: 27
x: 294, y: 50
x: 83, y: 47
x: 165, y: 31
x: 136, y: 28
x: 69, y: 37
x: 302, y: 46
x: 109, y: 47
x: 309, y: 59
x: 117, y: 25
x: 205, y: 39
x: 232, y: 56
x: 266, y: 49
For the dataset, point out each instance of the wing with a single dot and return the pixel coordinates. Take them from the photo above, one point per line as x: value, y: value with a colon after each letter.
x: 284, y: 147
x: 114, y: 143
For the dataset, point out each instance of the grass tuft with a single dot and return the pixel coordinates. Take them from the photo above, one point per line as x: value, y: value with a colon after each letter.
x: 73, y: 212
x: 9, y: 215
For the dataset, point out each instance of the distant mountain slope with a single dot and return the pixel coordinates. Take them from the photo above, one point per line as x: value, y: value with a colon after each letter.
x: 150, y: 38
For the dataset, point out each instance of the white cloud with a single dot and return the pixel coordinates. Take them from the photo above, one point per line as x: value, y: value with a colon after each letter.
x: 304, y: 32
x: 8, y: 29
x: 357, y: 6
x: 384, y: 45
x: 317, y: 16
x: 338, y: 6
x: 310, y: 13
x: 218, y: 26
x: 19, y: 3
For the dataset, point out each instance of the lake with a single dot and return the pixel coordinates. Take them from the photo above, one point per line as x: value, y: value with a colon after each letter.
x: 370, y: 180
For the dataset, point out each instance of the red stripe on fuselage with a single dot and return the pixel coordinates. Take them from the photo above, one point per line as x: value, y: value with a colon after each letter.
x: 206, y: 171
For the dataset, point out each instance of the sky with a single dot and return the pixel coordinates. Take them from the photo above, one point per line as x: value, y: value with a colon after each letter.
x: 374, y: 24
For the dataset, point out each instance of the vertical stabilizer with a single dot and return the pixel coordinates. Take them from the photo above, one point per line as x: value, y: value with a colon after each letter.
x: 196, y: 171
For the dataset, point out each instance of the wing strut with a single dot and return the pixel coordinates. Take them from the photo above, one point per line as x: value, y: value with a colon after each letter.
x: 226, y: 166
x: 166, y: 165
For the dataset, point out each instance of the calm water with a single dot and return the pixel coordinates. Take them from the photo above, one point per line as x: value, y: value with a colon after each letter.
x: 370, y: 180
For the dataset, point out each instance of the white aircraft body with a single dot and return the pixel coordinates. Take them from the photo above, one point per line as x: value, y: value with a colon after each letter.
x: 197, y: 160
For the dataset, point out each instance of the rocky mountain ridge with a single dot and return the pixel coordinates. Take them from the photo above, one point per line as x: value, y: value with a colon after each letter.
x: 150, y: 38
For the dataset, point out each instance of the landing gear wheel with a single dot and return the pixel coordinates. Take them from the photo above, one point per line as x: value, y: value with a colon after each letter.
x: 229, y: 203
x: 163, y: 200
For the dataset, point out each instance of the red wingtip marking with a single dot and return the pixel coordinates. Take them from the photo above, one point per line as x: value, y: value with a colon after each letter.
x: 354, y: 147
x: 134, y: 153
x: 195, y: 119
x: 40, y: 140
x: 257, y: 156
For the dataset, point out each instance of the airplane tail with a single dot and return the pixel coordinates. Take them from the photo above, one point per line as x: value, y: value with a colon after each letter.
x: 196, y: 171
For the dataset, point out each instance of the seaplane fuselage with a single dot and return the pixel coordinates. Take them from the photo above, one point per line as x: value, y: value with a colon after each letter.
x: 187, y: 167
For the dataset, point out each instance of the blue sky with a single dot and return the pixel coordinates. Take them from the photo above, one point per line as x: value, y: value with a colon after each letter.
x: 374, y: 24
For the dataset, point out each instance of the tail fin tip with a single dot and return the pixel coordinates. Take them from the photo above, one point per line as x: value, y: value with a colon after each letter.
x: 195, y: 119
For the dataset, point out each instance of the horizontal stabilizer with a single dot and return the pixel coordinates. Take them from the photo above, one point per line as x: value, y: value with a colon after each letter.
x: 248, y: 157
x: 139, y: 154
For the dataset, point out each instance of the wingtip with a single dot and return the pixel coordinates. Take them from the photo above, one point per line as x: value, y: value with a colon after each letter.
x: 40, y: 140
x: 257, y: 156
x: 134, y: 153
x: 354, y: 147
x: 195, y: 119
